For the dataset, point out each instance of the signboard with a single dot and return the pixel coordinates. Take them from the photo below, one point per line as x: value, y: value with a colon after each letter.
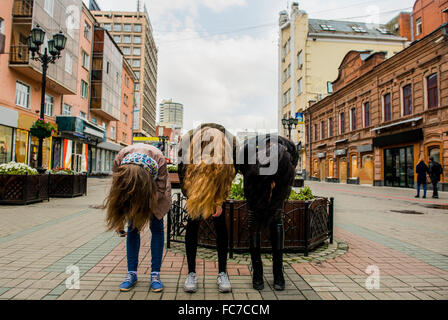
x: 68, y: 146
x: 340, y: 152
x: 146, y: 139
x: 299, y: 117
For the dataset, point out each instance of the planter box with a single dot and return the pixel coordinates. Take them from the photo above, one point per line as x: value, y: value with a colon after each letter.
x: 67, y: 186
x: 174, y: 179
x: 307, y: 224
x: 353, y: 181
x: 298, y: 183
x: 23, y: 189
x: 332, y: 180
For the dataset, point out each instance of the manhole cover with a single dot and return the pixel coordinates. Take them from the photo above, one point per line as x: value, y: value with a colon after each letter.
x: 406, y: 211
x: 437, y: 206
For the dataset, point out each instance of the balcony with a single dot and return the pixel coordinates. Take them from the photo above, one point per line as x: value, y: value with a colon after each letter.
x: 19, y: 54
x: 22, y: 9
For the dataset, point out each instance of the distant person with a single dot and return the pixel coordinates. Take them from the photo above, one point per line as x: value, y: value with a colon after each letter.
x: 435, y: 171
x: 140, y: 195
x: 422, y: 170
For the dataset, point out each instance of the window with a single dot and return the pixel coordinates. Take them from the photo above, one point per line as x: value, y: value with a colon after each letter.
x: 407, y: 99
x: 300, y: 59
x: 327, y: 27
x: 136, y: 63
x: 353, y: 119
x: 83, y: 115
x: 112, y: 133
x: 341, y: 123
x: 287, y: 47
x: 137, y: 74
x: 322, y: 130
x: 87, y: 29
x: 366, y: 107
x: 107, y: 26
x: 126, y: 51
x: 94, y: 120
x: 300, y: 86
x: 22, y: 94
x: 137, y: 87
x: 434, y: 152
x: 137, y: 39
x: 128, y: 27
x: 125, y: 118
x: 329, y: 87
x: 107, y: 67
x: 330, y: 127
x: 431, y: 87
x: 49, y: 103
x: 287, y: 97
x: 2, y: 26
x: 387, y: 112
x: 419, y: 26
x: 49, y: 7
x: 85, y: 60
x: 67, y: 110
x: 125, y: 99
x: 287, y: 73
x: 125, y: 137
x: 137, y: 27
x: 126, y: 39
x: 315, y: 132
x: 84, y: 89
x: 117, y: 27
x: 359, y: 29
x: 117, y: 39
x: 68, y: 63
x: 136, y: 51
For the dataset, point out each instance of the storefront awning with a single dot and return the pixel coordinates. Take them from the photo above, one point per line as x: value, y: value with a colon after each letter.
x: 389, y: 126
x: 107, y: 145
x: 321, y: 145
x: 341, y: 141
x: 399, y: 138
x: 8, y: 117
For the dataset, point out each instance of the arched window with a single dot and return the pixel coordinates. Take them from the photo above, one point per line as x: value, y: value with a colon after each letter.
x: 435, y: 153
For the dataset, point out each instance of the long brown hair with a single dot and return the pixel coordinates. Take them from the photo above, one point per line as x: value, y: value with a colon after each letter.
x: 132, y: 197
x: 208, y: 179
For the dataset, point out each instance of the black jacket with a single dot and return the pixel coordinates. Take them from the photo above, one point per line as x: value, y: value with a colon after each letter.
x: 435, y: 171
x: 421, y: 169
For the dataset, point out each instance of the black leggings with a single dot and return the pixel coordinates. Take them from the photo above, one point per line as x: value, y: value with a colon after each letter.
x: 191, y: 242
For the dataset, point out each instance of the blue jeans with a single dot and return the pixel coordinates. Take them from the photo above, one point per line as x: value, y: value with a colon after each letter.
x: 157, y: 242
x: 418, y: 189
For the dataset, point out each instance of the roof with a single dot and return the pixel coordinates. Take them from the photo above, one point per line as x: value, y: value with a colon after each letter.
x: 350, y: 28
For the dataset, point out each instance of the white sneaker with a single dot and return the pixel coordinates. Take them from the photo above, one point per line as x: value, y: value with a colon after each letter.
x: 191, y: 283
x: 224, y: 284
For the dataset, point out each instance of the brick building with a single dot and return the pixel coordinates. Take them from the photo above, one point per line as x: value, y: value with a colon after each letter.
x: 384, y: 116
x: 428, y: 15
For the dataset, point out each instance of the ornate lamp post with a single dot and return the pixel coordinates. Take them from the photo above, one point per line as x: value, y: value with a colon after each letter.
x: 289, y: 123
x: 51, y: 54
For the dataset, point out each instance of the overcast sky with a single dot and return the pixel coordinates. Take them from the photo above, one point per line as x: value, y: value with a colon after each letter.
x: 219, y: 57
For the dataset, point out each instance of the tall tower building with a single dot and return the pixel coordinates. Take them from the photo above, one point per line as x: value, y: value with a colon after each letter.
x: 133, y: 33
x: 171, y: 114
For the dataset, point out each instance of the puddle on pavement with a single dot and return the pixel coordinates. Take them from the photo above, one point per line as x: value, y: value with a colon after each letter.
x: 437, y: 206
x: 406, y: 211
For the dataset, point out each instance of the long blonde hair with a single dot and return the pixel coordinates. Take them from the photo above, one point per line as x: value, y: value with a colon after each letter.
x: 209, y: 176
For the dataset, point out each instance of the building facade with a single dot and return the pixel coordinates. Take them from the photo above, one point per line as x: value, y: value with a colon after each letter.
x: 124, y: 126
x: 132, y: 31
x: 310, y: 51
x: 385, y: 115
x: 428, y: 15
x: 171, y: 114
x: 21, y: 76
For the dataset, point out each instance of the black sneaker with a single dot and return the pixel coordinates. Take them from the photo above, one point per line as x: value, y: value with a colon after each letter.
x: 416, y: 196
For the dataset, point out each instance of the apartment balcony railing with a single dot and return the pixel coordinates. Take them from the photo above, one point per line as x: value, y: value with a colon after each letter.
x: 23, y: 8
x: 19, y: 54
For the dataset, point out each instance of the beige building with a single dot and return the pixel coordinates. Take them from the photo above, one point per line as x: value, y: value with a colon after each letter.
x: 310, y: 53
x: 171, y: 114
x: 132, y: 31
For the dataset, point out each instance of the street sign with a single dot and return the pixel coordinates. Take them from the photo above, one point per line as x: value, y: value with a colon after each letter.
x: 299, y: 117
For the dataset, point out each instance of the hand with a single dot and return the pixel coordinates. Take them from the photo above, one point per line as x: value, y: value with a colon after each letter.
x: 218, y: 212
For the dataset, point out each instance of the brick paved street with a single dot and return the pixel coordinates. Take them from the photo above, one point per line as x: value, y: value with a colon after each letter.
x: 39, y: 241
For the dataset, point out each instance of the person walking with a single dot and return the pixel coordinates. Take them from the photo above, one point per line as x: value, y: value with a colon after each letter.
x: 140, y: 194
x: 435, y: 171
x: 422, y: 170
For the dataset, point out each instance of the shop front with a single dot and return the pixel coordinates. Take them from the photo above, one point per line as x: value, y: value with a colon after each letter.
x: 341, y: 163
x: 8, y: 124
x: 103, y: 156
x: 72, y: 148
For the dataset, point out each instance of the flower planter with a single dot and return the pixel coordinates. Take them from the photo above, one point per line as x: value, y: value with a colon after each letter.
x: 23, y: 189
x: 174, y: 179
x: 67, y: 186
x: 307, y: 224
x: 40, y: 133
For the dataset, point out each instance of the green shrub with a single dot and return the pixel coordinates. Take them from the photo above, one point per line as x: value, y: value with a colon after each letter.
x: 303, y: 194
x: 172, y: 168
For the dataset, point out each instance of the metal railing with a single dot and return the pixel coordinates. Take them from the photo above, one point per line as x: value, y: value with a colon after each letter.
x: 19, y: 54
x: 22, y: 8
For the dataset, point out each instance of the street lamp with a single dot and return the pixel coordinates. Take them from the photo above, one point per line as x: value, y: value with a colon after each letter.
x: 289, y: 123
x: 51, y: 54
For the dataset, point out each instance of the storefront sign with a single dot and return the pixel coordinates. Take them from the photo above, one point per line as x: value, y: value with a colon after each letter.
x: 299, y: 117
x: 321, y: 155
x: 365, y: 148
x: 8, y: 117
x: 340, y: 152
